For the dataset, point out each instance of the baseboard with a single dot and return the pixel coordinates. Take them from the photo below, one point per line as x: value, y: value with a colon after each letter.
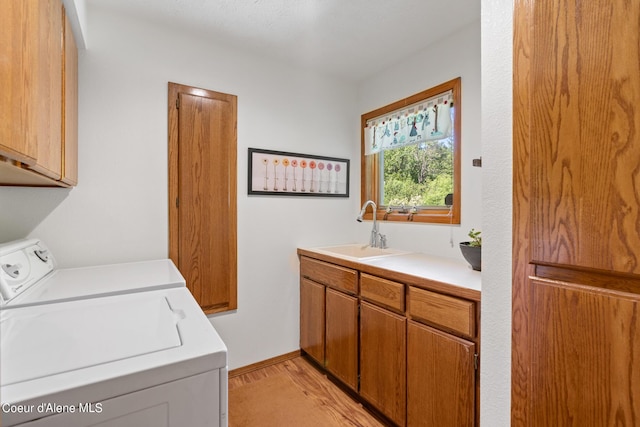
x: 263, y: 364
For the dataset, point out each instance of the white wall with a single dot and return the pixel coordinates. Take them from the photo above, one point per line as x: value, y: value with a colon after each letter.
x: 455, y: 56
x: 495, y: 382
x: 118, y: 212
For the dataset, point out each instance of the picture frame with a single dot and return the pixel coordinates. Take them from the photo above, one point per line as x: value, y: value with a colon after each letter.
x: 281, y: 173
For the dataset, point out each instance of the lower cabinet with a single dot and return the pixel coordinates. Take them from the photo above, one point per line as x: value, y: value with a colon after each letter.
x: 341, y: 335
x: 407, y: 351
x: 383, y: 352
x: 440, y: 378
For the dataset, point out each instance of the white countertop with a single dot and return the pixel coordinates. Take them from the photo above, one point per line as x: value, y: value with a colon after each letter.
x: 428, y: 271
x: 439, y: 269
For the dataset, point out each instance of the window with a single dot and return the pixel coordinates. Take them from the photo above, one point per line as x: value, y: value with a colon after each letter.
x: 410, y: 177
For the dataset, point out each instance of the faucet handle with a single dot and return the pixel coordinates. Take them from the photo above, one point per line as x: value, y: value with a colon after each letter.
x: 383, y: 241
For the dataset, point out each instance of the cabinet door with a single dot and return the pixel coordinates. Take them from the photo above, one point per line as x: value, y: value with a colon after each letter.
x: 383, y: 361
x: 585, y: 150
x: 341, y: 345
x: 586, y: 356
x: 49, y: 83
x: 31, y: 129
x: 312, y: 319
x: 19, y: 40
x: 440, y: 378
x: 203, y: 194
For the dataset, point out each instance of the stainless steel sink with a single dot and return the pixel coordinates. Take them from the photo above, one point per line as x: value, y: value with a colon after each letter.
x: 359, y: 251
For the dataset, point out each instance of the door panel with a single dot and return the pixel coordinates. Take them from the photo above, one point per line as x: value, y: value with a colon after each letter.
x: 203, y: 194
x: 312, y: 314
x: 383, y: 363
x: 342, y: 337
x: 589, y: 343
x: 440, y: 378
x: 585, y: 112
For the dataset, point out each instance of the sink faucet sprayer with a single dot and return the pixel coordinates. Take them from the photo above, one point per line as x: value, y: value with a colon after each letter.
x: 375, y: 235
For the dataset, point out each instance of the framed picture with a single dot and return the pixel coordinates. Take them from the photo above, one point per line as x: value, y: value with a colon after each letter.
x: 278, y: 173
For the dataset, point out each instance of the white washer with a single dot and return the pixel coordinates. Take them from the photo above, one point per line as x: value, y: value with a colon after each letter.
x: 143, y: 355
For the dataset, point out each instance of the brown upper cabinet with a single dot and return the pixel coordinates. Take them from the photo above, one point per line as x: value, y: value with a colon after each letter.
x: 38, y: 122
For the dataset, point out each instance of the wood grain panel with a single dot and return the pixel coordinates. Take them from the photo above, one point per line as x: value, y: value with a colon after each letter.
x: 70, y: 107
x: 19, y: 113
x: 585, y: 143
x: 341, y: 339
x: 440, y: 378
x: 576, y: 179
x: 31, y: 121
x: 521, y: 269
x: 452, y: 313
x: 49, y: 83
x: 591, y: 342
x: 202, y: 193
x: 383, y: 365
x: 381, y: 291
x: 312, y: 315
x: 330, y: 274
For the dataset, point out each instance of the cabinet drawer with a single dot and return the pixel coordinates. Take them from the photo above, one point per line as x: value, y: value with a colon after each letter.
x: 331, y: 275
x: 381, y: 291
x: 452, y: 313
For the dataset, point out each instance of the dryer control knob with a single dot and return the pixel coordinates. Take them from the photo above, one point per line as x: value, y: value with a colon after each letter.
x: 13, y: 270
x: 43, y: 254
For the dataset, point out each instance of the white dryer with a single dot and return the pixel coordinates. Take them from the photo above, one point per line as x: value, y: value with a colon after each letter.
x: 143, y: 355
x: 29, y: 276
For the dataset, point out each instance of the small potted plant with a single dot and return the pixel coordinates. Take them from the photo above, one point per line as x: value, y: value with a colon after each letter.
x: 472, y: 250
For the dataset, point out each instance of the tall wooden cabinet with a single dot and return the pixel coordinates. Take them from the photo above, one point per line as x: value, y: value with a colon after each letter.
x: 38, y: 122
x: 203, y: 209
x: 576, y: 248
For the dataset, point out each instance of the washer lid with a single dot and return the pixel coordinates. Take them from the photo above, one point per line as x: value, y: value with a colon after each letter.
x: 104, y: 347
x: 84, y: 336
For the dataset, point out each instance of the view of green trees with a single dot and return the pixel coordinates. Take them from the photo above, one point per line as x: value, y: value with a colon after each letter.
x: 418, y: 175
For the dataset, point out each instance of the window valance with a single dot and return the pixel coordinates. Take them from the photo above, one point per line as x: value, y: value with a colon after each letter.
x: 426, y: 120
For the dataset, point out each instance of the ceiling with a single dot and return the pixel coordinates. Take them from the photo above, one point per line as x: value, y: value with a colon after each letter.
x: 352, y: 39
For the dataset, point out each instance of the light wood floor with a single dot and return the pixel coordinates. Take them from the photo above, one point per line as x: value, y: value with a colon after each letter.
x: 316, y: 386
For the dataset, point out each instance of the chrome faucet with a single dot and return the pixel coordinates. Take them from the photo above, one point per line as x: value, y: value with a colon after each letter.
x: 377, y: 240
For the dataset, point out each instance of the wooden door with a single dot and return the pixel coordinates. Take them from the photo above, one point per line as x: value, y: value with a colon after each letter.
x: 312, y: 319
x: 576, y: 212
x: 383, y: 363
x: 202, y: 193
x: 341, y: 339
x: 440, y: 378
